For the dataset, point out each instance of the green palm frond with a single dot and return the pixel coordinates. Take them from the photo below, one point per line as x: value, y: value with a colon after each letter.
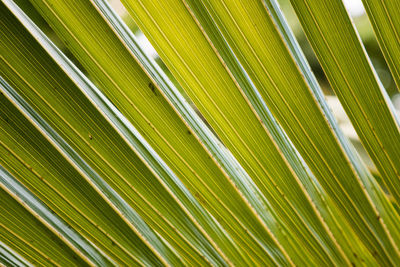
x: 104, y: 161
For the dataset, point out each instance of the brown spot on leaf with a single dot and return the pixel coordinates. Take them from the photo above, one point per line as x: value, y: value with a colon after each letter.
x: 199, y: 198
x: 153, y: 88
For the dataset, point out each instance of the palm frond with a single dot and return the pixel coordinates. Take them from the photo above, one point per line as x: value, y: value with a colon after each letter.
x: 108, y: 164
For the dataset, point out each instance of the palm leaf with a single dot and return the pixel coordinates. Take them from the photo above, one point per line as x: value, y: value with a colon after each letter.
x: 372, y: 115
x: 386, y: 23
x: 116, y: 167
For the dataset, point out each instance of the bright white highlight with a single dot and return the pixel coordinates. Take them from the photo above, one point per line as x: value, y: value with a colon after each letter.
x: 355, y: 7
x: 144, y: 43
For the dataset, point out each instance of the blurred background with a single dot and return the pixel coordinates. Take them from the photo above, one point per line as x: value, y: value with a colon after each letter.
x: 360, y: 20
